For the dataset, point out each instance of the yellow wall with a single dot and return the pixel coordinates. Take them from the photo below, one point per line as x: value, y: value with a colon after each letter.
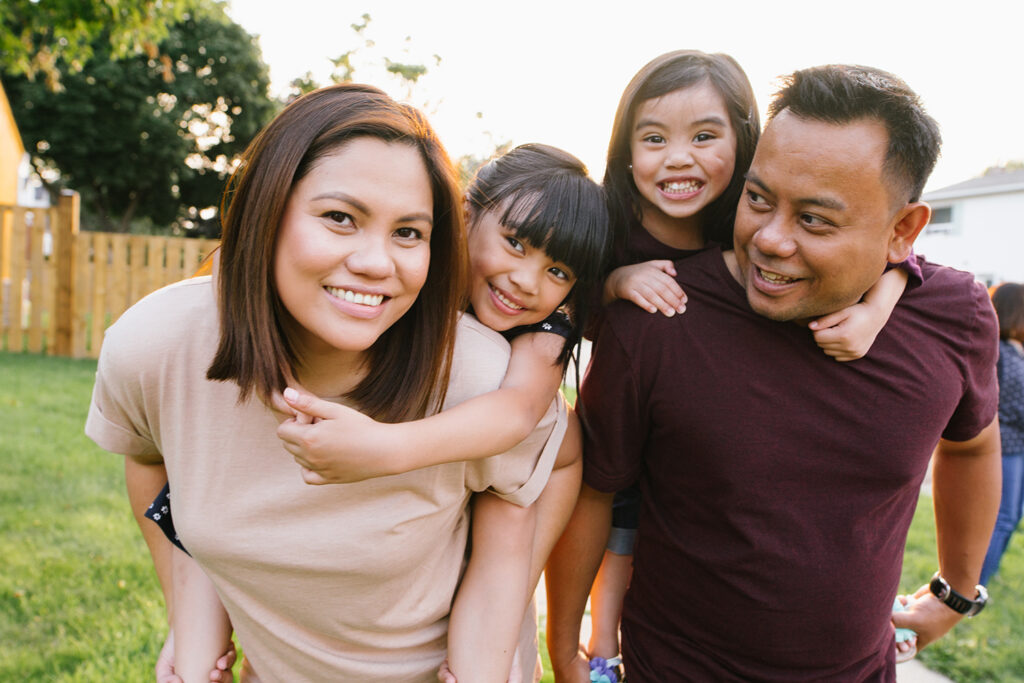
x: 11, y: 151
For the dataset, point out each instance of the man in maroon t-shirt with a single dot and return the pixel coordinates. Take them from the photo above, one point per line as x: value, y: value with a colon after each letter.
x: 778, y: 485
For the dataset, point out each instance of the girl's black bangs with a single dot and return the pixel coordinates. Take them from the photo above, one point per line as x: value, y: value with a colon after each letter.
x: 568, y: 225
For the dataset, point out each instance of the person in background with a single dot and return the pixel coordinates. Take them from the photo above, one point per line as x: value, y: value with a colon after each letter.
x: 1008, y: 300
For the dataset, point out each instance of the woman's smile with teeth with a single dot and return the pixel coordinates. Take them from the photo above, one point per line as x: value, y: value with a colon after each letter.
x: 355, y: 297
x: 505, y: 300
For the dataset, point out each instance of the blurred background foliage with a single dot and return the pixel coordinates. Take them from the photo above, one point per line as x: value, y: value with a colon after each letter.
x: 144, y: 106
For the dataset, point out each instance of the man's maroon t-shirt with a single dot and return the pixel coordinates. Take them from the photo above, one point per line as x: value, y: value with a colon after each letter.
x: 778, y: 484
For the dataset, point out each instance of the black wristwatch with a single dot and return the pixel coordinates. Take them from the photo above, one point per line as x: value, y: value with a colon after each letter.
x: 955, y: 601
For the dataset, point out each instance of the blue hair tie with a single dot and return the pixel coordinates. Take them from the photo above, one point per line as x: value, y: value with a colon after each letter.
x: 605, y: 670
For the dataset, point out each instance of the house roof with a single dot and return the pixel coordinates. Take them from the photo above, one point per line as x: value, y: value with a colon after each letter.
x: 995, y: 181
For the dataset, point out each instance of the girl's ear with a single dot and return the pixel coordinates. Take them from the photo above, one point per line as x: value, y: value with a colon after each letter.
x: 467, y: 210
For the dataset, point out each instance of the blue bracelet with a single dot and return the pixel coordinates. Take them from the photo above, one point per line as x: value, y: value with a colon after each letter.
x: 606, y: 670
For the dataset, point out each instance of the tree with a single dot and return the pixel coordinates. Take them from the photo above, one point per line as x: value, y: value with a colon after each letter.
x: 363, y: 57
x: 48, y: 37
x: 1008, y: 167
x: 149, y: 139
x: 468, y: 164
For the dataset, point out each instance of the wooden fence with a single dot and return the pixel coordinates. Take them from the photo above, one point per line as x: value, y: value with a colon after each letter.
x: 63, y: 287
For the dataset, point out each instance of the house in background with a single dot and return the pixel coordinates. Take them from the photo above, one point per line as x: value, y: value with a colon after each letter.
x: 12, y: 152
x: 978, y: 226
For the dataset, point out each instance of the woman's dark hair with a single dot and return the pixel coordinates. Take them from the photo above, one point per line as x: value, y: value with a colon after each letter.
x: 662, y: 75
x: 1008, y: 300
x: 546, y: 198
x: 409, y: 363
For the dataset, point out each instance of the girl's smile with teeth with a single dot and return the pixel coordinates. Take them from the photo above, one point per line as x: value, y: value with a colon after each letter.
x: 505, y: 300
x: 355, y: 297
x: 681, y: 186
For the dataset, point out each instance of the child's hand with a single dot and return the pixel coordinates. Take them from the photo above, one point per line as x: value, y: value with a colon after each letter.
x: 335, y: 444
x: 283, y: 410
x: 650, y: 285
x: 847, y: 334
x: 575, y: 671
x: 165, y: 664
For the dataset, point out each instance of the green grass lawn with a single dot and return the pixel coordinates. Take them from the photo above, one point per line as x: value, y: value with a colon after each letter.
x: 79, y: 600
x: 988, y: 647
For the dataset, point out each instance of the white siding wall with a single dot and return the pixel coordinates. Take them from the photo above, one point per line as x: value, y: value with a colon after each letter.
x: 986, y: 237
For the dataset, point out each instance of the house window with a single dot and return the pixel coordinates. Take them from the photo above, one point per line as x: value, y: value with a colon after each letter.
x: 941, y: 222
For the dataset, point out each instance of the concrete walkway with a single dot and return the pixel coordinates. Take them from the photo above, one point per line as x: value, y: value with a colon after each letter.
x: 916, y: 672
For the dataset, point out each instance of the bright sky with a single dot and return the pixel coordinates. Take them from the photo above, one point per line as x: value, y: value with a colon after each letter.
x: 552, y: 71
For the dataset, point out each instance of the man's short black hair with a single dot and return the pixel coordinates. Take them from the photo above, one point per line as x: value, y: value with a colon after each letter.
x: 842, y: 94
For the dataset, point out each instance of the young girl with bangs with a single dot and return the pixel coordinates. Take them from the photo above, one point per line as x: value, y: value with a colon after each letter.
x: 538, y: 241
x: 682, y: 140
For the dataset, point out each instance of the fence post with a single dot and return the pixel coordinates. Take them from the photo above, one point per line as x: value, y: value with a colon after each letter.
x: 65, y: 240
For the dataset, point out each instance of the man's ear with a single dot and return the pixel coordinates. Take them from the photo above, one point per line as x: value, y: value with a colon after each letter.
x: 910, y: 221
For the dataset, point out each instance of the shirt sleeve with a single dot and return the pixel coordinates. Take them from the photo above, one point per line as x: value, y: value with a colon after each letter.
x: 520, y: 475
x: 556, y: 323
x: 613, y: 415
x: 912, y: 267
x: 117, y: 419
x: 980, y: 399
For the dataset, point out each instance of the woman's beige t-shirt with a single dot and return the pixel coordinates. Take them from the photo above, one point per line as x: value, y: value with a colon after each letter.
x: 322, y: 583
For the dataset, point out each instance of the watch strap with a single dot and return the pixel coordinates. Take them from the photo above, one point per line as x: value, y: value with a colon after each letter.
x: 957, y: 602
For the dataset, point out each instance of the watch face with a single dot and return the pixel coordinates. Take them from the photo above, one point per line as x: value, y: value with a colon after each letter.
x: 939, y: 587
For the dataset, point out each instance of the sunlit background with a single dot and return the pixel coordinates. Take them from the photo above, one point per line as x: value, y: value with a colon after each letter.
x: 552, y: 71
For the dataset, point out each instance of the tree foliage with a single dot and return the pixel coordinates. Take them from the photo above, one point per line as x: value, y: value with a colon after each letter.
x: 363, y: 56
x: 49, y: 37
x: 149, y: 138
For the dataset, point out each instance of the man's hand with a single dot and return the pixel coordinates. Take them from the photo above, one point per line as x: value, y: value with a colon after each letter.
x: 335, y: 444
x: 650, y: 285
x: 165, y: 664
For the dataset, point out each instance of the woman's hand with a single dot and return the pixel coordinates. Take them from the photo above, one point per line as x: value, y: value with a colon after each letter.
x: 165, y: 664
x: 335, y: 444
